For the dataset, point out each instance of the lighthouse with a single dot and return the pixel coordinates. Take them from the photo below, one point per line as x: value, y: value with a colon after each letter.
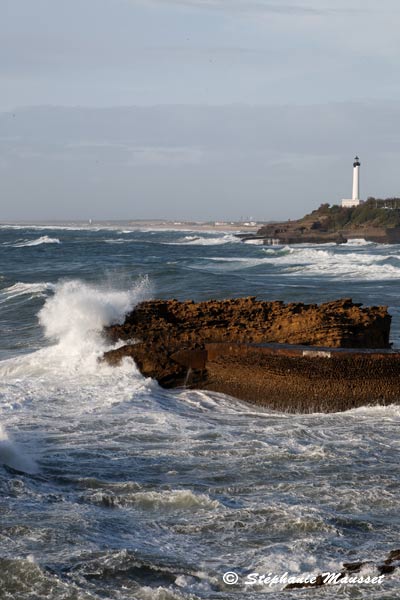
x: 355, y: 199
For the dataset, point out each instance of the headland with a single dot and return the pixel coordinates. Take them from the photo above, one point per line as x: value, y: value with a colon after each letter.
x: 374, y: 221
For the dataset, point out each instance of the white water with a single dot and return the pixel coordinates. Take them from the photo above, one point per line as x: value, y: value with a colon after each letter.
x: 73, y: 319
x: 166, y: 501
x: 23, y: 289
x: 317, y: 262
x: 199, y: 240
x: 254, y: 242
x: 358, y: 242
x: 44, y: 239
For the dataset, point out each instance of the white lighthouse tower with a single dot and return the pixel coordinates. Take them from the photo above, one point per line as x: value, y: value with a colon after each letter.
x: 355, y: 200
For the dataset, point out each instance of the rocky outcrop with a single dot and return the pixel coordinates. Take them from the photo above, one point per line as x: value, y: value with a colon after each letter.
x: 292, y: 233
x: 376, y: 235
x: 256, y: 350
x: 370, y: 220
x: 288, y: 233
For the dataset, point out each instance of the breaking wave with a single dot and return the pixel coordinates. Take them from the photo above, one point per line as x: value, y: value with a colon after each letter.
x: 254, y: 242
x: 73, y: 319
x: 358, y: 242
x: 44, y: 239
x: 197, y: 240
x: 13, y: 456
x: 155, y: 501
x: 23, y: 289
x: 318, y: 262
x: 314, y: 262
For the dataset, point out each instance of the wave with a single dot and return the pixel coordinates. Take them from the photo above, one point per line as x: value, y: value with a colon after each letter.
x: 44, y: 239
x: 73, y: 319
x: 346, y: 265
x: 23, y: 289
x: 254, y: 242
x: 25, y: 578
x: 158, y: 501
x: 77, y: 313
x: 118, y: 241
x: 318, y: 262
x: 13, y: 456
x: 359, y: 242
x: 309, y: 261
x: 197, y: 240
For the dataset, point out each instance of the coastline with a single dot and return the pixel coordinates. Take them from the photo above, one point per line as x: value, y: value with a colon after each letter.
x: 135, y: 225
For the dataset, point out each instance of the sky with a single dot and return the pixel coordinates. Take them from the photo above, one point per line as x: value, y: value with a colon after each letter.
x: 195, y: 109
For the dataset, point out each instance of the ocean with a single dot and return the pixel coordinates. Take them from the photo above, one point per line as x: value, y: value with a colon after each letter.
x: 113, y: 488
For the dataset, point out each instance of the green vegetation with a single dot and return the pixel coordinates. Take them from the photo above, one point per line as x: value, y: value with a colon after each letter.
x: 372, y: 213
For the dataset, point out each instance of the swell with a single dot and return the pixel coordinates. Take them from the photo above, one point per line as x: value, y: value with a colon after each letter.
x: 37, y: 242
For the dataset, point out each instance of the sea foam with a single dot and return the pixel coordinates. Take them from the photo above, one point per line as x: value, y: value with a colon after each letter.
x: 44, y: 239
x: 73, y: 319
x: 199, y: 240
x: 23, y: 289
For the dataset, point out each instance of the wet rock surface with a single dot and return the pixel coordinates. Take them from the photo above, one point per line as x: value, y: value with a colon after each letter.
x: 227, y: 346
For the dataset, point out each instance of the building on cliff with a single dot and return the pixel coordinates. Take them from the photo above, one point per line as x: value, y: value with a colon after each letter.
x: 355, y: 199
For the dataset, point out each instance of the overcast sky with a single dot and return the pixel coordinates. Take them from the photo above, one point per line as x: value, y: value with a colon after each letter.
x: 210, y: 108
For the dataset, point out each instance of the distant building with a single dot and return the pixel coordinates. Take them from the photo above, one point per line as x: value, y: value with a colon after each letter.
x: 355, y: 200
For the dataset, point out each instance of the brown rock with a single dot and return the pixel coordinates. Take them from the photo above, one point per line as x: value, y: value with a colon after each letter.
x: 223, y: 346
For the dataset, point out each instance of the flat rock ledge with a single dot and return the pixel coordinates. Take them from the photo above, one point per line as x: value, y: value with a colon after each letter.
x: 293, y: 357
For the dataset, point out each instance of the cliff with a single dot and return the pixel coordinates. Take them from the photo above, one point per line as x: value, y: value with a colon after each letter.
x: 374, y: 220
x: 262, y: 352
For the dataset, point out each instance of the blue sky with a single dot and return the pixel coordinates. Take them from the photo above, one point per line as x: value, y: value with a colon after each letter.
x: 310, y: 64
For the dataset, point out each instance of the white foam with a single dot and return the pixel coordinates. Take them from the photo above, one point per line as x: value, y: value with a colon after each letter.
x: 254, y: 242
x: 170, y: 500
x: 77, y: 313
x: 22, y: 289
x: 44, y: 239
x: 198, y: 240
x: 307, y: 261
x: 73, y: 319
x: 358, y: 242
x: 118, y: 241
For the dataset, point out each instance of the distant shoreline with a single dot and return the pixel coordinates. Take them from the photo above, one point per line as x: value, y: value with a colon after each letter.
x: 141, y: 224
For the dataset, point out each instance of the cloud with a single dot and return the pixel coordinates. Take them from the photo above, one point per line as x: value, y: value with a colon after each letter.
x: 193, y: 162
x: 246, y: 6
x: 165, y: 157
x: 296, y: 7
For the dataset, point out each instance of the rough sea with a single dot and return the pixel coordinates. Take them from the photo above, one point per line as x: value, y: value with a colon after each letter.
x: 112, y: 488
